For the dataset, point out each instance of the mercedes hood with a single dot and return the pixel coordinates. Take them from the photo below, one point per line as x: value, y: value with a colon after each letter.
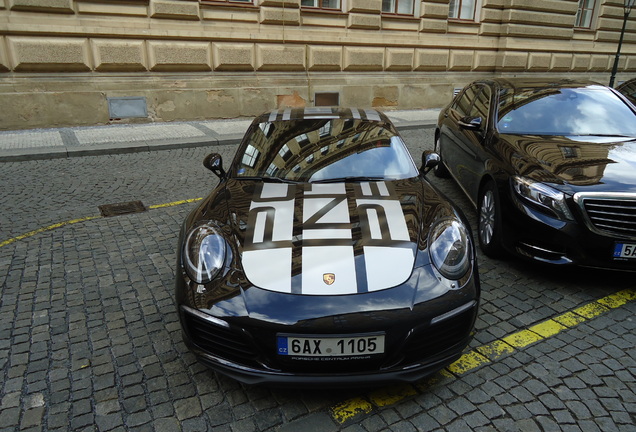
x: 575, y: 163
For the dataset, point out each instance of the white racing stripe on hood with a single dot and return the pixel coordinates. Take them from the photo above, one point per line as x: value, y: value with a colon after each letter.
x: 387, y: 266
x: 270, y: 269
x: 326, y: 260
x: 267, y: 258
x: 319, y: 261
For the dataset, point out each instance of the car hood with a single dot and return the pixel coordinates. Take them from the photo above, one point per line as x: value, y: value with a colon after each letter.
x: 574, y: 164
x: 327, y: 239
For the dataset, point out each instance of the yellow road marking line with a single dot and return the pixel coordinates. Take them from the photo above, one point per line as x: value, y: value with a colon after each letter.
x: 85, y: 219
x: 392, y: 395
x: 174, y: 203
x: 350, y: 409
x: 469, y: 361
x: 357, y: 407
x: 47, y: 228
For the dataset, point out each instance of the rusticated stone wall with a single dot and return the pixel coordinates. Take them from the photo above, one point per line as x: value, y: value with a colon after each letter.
x: 61, y: 60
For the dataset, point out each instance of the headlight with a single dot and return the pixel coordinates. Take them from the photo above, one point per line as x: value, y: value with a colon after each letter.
x: 450, y: 250
x: 204, y: 253
x: 544, y: 197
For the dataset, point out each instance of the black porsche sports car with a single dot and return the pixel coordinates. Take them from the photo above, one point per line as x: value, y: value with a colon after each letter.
x: 550, y: 167
x: 324, y: 257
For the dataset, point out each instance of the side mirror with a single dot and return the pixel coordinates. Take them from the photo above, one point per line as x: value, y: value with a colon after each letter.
x: 471, y: 123
x: 430, y: 160
x: 214, y: 162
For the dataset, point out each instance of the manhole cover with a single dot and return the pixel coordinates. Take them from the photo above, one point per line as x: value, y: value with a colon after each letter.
x: 119, y: 209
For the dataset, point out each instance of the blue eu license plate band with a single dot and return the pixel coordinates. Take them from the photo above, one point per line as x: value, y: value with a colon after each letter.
x: 283, y: 348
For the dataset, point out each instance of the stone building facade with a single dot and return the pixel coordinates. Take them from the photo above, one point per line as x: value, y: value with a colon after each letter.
x: 87, y: 62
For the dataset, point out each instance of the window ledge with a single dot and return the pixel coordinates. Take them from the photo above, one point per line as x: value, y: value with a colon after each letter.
x: 317, y: 11
x: 229, y: 4
x: 463, y: 21
x: 399, y: 17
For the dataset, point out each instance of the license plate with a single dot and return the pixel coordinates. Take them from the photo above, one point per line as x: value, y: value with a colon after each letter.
x: 329, y: 346
x: 625, y: 250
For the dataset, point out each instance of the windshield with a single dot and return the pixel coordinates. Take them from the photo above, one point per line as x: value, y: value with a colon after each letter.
x: 592, y: 110
x: 311, y: 150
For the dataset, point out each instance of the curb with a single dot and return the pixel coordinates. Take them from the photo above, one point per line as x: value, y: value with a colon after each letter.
x: 68, y: 151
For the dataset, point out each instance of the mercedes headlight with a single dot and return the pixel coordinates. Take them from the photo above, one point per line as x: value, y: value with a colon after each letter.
x: 450, y: 248
x: 204, y: 253
x: 543, y: 197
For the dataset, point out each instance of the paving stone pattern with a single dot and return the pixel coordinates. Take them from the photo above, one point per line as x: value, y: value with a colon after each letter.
x: 90, y: 340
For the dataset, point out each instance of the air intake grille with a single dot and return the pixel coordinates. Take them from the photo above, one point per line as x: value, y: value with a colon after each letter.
x: 428, y: 342
x: 615, y: 215
x: 220, y: 341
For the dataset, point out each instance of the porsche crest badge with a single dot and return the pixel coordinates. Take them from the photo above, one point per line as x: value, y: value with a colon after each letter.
x: 329, y: 278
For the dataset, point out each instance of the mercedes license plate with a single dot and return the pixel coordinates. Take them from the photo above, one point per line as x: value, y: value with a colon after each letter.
x: 330, y: 346
x: 625, y: 250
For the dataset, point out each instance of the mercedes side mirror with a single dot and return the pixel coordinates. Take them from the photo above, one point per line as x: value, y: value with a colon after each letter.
x: 430, y: 160
x: 469, y: 122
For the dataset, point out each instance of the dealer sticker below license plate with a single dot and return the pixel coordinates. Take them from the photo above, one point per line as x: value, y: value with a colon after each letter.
x: 625, y: 250
x: 331, y: 346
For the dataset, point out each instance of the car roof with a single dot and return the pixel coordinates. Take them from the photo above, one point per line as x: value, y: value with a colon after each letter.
x: 316, y: 113
x: 538, y: 83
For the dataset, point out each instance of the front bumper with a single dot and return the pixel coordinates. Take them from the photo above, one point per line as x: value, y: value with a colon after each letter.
x: 531, y: 234
x: 245, y: 350
x: 254, y: 376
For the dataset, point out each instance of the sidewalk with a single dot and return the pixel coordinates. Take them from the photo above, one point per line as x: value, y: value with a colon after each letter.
x: 65, y: 142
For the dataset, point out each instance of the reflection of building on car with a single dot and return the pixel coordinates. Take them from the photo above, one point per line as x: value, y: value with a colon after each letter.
x: 324, y: 257
x: 550, y: 166
x: 628, y: 89
x: 297, y: 147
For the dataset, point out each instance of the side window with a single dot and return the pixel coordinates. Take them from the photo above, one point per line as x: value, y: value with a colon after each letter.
x: 465, y: 101
x: 481, y: 105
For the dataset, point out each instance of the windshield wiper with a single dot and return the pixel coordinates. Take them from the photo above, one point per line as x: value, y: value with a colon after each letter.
x: 349, y: 179
x: 605, y: 135
x: 268, y: 179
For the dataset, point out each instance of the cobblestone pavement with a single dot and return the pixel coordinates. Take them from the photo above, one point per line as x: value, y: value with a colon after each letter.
x: 90, y: 340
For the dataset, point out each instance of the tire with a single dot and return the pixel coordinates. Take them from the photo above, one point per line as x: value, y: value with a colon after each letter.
x: 489, y: 222
x: 440, y: 169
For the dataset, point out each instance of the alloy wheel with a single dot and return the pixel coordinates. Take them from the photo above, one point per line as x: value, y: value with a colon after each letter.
x: 487, y: 214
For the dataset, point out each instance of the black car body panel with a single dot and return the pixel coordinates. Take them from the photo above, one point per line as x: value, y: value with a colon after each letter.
x: 557, y: 147
x: 310, y: 257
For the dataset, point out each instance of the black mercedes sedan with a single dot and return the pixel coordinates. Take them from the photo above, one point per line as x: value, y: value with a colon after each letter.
x: 325, y: 258
x: 550, y: 167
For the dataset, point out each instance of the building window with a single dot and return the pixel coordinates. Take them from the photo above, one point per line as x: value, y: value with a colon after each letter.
x: 321, y: 4
x: 250, y: 156
x: 462, y: 9
x: 569, y: 152
x: 325, y: 130
x: 285, y: 152
x: 400, y: 7
x: 585, y: 13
